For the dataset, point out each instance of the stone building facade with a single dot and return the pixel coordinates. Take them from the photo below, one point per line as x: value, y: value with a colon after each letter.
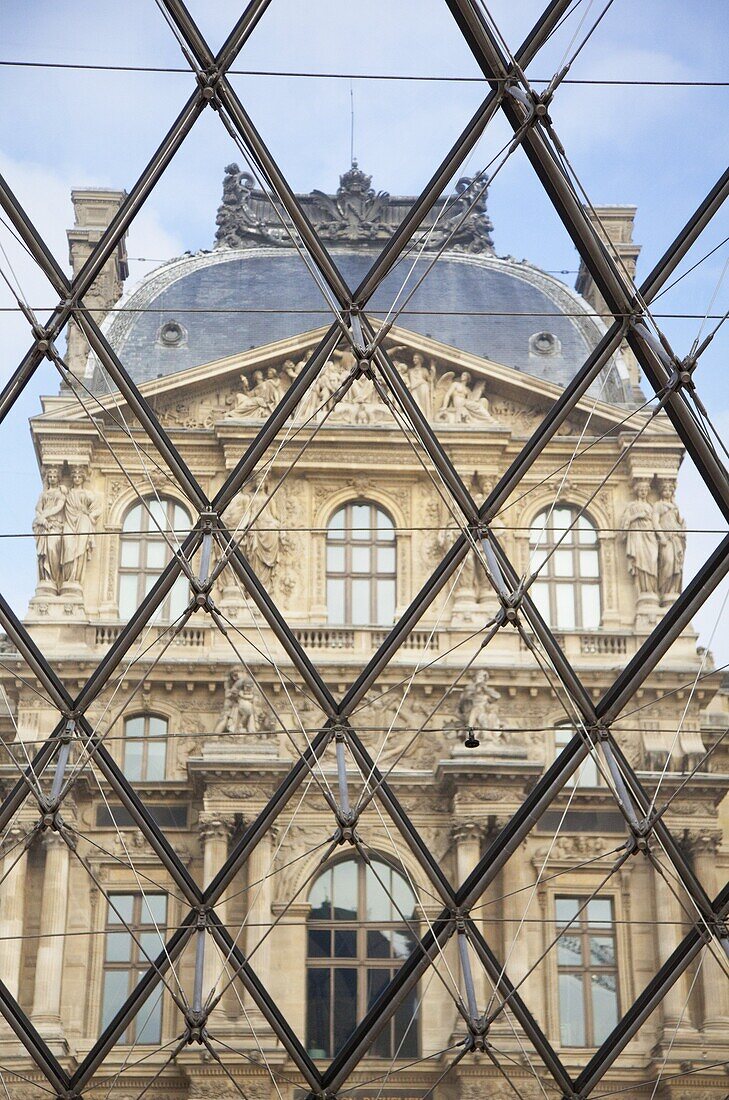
x: 206, y: 722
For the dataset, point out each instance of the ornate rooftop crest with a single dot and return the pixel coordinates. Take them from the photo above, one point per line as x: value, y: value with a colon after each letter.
x: 356, y: 214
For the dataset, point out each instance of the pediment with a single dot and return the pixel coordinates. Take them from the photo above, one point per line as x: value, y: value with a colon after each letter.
x: 454, y: 389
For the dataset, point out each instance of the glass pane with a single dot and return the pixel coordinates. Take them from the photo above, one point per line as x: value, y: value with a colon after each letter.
x: 335, y: 601
x: 361, y: 614
x: 134, y: 727
x: 538, y: 534
x: 587, y: 533
x: 156, y: 760
x: 129, y: 553
x: 403, y: 944
x: 600, y: 912
x: 406, y: 1028
x: 569, y: 950
x: 179, y: 597
x: 540, y: 595
x: 157, y: 515
x: 589, y: 563
x: 133, y: 757
x: 563, y: 736
x: 378, y: 903
x: 154, y: 909
x: 157, y: 726
x: 116, y: 984
x: 403, y: 895
x: 385, y: 530
x: 565, y: 909
x: 157, y: 554
x: 151, y: 944
x: 376, y: 982
x: 320, y: 897
x: 386, y: 559
x: 345, y: 890
x: 133, y: 519
x: 604, y: 1006
x: 602, y: 951
x: 319, y: 943
x: 335, y: 559
x: 149, y: 1026
x: 565, y: 594
x: 181, y: 520
x: 537, y: 560
x: 317, y: 1013
x: 123, y: 906
x: 561, y: 520
x: 571, y: 1011
x: 345, y: 944
x: 128, y: 585
x: 562, y: 563
x: 345, y: 1005
x: 118, y: 947
x: 590, y: 606
x: 360, y: 559
x: 385, y: 602
x: 361, y: 521
x: 336, y: 525
x: 587, y: 773
x: 378, y: 945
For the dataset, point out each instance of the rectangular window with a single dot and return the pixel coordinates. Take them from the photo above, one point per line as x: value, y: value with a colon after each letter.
x: 135, y: 935
x: 587, y: 970
x: 587, y: 775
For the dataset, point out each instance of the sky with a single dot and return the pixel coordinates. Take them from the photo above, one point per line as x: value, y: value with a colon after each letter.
x: 659, y: 148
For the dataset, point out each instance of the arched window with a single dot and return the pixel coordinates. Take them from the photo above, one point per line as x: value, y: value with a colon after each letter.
x: 564, y: 548
x: 358, y: 937
x: 144, y: 552
x: 145, y: 747
x: 360, y: 566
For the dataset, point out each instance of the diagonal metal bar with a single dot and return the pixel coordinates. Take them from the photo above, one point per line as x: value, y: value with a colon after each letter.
x: 133, y: 1004
x: 258, y: 150
x: 241, y: 567
x: 539, y: 440
x: 608, y: 278
x: 454, y: 159
x: 410, y: 834
x: 529, y: 1025
x: 648, y: 1001
x: 676, y: 619
x: 32, y: 1041
x: 33, y: 657
x: 268, y: 1007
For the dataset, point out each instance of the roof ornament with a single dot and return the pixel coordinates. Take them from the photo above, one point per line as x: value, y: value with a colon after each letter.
x: 357, y: 214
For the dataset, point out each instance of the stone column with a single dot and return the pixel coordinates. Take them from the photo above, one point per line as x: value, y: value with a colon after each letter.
x: 215, y: 832
x: 517, y: 882
x: 669, y: 933
x: 12, y: 910
x: 468, y: 837
x: 715, y: 984
x: 259, y: 915
x: 49, y: 962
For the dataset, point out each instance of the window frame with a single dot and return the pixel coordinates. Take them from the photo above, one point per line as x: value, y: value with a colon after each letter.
x: 549, y: 581
x: 363, y: 963
x: 145, y: 739
x: 588, y: 769
x: 137, y: 964
x: 374, y: 540
x: 144, y: 535
x: 583, y: 929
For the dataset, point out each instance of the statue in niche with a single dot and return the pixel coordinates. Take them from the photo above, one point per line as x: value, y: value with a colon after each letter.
x: 48, y: 530
x: 479, y: 712
x: 641, y: 543
x: 671, y: 535
x: 81, y: 515
x: 239, y: 712
x: 460, y: 402
x: 261, y: 541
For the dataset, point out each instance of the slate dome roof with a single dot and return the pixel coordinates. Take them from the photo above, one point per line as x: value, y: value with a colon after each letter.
x: 203, y: 307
